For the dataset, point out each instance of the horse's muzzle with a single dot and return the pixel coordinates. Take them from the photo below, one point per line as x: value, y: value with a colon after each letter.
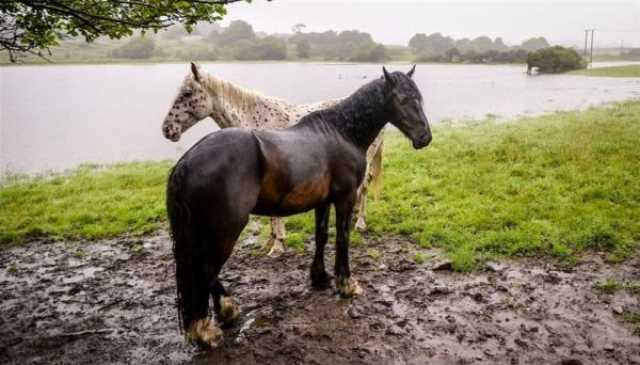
x: 170, y: 134
x: 422, y: 141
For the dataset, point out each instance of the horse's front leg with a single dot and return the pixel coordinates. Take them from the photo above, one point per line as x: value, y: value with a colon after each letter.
x: 347, y: 286
x: 319, y: 277
x: 278, y: 234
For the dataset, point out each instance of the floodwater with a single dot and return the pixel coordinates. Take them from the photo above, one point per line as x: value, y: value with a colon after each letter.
x: 56, y: 117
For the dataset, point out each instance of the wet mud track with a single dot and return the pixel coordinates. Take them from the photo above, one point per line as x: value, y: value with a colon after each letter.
x: 113, y: 302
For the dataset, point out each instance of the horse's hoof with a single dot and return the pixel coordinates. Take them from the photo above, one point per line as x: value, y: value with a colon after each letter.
x: 361, y: 226
x: 205, y: 333
x: 229, y: 311
x: 277, y: 248
x: 349, y: 287
x: 320, y: 280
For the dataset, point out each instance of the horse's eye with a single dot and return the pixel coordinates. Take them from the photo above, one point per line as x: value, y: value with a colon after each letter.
x: 404, y: 100
x: 187, y: 94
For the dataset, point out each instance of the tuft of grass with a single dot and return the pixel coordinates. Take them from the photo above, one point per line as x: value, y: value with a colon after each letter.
x: 611, y: 286
x: 554, y: 185
x: 137, y: 248
x: 295, y: 240
x: 374, y: 253
x: 464, y: 258
x: 79, y: 253
x: 419, y: 258
x: 634, y: 319
x: 613, y: 71
x: 356, y: 239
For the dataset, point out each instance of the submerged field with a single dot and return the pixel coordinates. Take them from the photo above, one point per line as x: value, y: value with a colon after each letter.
x: 554, y: 185
x: 613, y: 71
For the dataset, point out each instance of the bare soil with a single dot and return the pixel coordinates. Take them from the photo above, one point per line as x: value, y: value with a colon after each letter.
x: 113, y: 302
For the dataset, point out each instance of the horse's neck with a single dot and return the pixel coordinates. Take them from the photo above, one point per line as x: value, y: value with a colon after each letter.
x: 361, y: 117
x: 237, y: 107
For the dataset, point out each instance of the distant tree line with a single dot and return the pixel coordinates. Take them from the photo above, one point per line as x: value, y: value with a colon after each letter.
x: 239, y: 41
x: 349, y: 45
x: 438, y: 48
x: 136, y: 48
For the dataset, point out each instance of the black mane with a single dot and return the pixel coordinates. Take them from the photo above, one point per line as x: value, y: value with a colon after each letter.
x: 362, y: 115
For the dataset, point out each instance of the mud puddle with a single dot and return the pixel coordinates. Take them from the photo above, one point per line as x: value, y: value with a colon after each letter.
x: 113, y: 302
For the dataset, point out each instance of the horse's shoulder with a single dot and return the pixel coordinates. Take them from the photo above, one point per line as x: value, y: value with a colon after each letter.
x: 269, y: 147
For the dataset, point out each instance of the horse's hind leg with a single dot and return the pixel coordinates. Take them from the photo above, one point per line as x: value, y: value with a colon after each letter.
x: 361, y: 209
x: 219, y: 240
x: 278, y: 234
x: 225, y: 308
x: 372, y: 176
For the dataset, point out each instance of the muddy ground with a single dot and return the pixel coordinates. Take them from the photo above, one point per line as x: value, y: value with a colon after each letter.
x: 113, y: 302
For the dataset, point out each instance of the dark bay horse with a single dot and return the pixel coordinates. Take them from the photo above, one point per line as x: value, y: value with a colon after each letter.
x: 233, y: 173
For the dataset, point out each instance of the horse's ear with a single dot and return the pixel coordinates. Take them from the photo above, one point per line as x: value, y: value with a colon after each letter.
x: 195, y: 71
x: 387, y: 76
x: 413, y: 69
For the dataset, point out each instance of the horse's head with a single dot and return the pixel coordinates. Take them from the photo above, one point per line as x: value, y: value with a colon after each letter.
x: 192, y: 104
x: 406, y: 107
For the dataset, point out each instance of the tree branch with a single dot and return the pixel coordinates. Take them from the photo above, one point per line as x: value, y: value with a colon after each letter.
x: 30, y: 25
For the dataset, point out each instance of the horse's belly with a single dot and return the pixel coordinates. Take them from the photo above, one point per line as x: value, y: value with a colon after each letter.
x: 275, y: 201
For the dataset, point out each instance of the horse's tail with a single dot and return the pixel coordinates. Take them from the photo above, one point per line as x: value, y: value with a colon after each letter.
x: 188, y: 251
x: 376, y: 171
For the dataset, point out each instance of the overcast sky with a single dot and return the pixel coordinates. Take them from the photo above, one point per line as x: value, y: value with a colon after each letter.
x: 394, y: 22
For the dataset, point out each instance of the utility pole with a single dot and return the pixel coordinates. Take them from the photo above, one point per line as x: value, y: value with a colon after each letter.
x: 591, y: 57
x: 586, y: 36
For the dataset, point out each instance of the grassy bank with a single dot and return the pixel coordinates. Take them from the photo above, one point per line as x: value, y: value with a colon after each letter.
x: 89, y: 202
x: 554, y: 185
x: 614, y: 71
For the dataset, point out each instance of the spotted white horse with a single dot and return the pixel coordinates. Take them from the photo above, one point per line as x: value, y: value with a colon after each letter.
x: 204, y: 95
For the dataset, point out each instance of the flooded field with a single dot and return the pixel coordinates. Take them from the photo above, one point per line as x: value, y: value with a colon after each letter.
x: 56, y: 117
x: 113, y: 302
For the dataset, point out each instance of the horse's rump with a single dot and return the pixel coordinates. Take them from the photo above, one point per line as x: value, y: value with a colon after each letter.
x: 224, y: 163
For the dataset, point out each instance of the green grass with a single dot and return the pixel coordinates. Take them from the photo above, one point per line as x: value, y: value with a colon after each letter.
x: 614, y: 71
x: 89, y: 202
x: 552, y: 186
